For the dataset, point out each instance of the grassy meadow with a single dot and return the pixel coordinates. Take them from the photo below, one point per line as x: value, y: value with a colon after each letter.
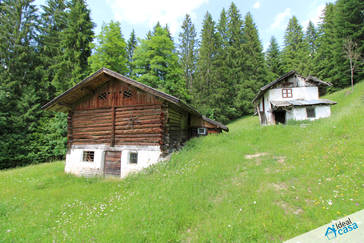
x: 253, y: 184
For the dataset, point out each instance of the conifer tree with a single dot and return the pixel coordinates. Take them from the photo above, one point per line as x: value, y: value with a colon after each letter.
x: 206, y: 72
x: 324, y: 66
x: 255, y: 73
x: 21, y: 89
x: 295, y: 51
x: 130, y: 48
x: 188, y: 51
x: 311, y: 39
x: 156, y: 63
x: 110, y: 49
x: 76, y: 40
x: 53, y: 22
x: 235, y: 59
x: 221, y: 103
x: 235, y: 55
x: 349, y: 23
x: 273, y: 60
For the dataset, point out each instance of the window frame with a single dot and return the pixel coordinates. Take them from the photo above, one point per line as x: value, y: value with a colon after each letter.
x: 310, y: 111
x: 204, y: 129
x: 131, y: 160
x: 287, y: 93
x: 88, y: 154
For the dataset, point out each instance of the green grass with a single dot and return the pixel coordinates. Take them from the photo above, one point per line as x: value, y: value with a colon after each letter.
x: 209, y: 191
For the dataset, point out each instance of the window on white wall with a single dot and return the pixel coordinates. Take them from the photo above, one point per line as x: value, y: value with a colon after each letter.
x: 286, y: 93
x: 88, y: 156
x: 133, y: 157
x: 310, y: 111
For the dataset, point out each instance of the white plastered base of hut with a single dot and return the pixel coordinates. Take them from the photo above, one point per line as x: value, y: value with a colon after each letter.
x: 300, y: 113
x: 103, y: 160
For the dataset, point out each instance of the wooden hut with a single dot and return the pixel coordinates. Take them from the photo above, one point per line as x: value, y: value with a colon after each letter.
x: 117, y: 125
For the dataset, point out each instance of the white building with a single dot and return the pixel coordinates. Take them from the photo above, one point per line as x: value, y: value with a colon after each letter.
x: 292, y: 97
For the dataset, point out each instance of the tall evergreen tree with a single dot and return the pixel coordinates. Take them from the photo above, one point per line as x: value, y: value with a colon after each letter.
x: 273, y: 60
x: 349, y: 23
x: 110, y: 49
x: 72, y: 66
x: 324, y: 66
x: 188, y: 51
x: 235, y: 59
x: 21, y: 89
x: 53, y: 23
x: 222, y: 104
x: 156, y: 63
x: 130, y: 48
x: 206, y: 72
x: 255, y: 72
x: 311, y: 39
x: 295, y: 51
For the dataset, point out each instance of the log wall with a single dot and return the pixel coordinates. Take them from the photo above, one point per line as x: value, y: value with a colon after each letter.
x: 177, y: 127
x: 110, y: 117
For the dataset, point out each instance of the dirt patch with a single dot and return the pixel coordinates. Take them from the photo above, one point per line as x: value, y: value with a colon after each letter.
x: 280, y: 159
x: 289, y: 209
x: 279, y: 187
x: 309, y: 202
x: 254, y: 156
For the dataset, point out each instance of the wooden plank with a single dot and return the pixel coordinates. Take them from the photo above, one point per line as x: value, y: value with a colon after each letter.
x: 112, y: 164
x: 113, y: 128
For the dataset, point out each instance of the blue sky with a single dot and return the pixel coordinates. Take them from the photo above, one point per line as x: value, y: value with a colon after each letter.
x: 270, y: 16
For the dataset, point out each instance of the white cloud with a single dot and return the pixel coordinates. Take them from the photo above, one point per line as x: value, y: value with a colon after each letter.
x: 314, y: 15
x: 281, y: 19
x: 256, y: 5
x: 149, y: 12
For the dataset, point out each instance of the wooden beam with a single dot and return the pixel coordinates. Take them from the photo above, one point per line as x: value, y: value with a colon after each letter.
x: 88, y: 89
x: 113, y: 108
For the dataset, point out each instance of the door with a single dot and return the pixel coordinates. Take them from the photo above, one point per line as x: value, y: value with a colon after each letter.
x: 280, y: 116
x: 112, y: 163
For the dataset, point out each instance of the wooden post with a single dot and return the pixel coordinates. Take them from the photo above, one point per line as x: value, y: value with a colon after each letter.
x: 112, y: 143
x: 113, y: 101
x: 69, y: 129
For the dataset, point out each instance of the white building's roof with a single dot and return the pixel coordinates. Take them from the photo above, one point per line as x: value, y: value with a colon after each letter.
x: 291, y: 103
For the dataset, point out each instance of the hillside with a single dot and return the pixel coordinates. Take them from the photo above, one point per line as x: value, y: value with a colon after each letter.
x: 251, y: 184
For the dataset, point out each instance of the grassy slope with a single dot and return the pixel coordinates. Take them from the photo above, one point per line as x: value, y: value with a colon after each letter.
x: 208, y: 191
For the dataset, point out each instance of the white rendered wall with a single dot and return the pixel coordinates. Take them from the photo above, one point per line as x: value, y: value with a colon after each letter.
x: 299, y: 93
x: 147, y: 155
x: 299, y: 113
x: 323, y: 111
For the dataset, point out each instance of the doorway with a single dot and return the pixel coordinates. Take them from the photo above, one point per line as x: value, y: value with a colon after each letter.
x: 280, y: 116
x: 112, y: 163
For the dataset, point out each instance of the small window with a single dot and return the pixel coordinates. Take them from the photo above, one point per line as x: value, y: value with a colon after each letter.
x: 103, y: 96
x: 88, y: 156
x: 127, y: 93
x: 133, y: 158
x: 286, y: 93
x: 310, y: 112
x: 201, y: 131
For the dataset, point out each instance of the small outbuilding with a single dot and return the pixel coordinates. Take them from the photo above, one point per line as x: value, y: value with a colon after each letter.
x: 292, y: 97
x: 117, y: 125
